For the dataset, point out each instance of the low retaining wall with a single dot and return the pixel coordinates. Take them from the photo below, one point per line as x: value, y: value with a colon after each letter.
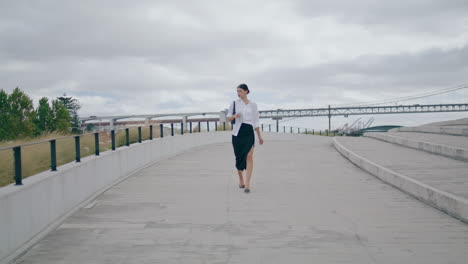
x: 30, y: 211
x: 443, y: 150
x: 456, y: 122
x: 446, y: 202
x: 447, y: 130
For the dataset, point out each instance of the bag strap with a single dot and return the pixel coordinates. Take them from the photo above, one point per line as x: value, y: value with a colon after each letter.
x: 234, y: 108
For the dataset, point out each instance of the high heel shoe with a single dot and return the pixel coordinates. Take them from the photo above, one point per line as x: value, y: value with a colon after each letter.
x: 241, y: 186
x: 247, y: 190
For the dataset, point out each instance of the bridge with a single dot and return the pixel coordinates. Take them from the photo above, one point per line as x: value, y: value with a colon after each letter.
x: 279, y: 114
x: 176, y: 200
x: 452, y: 99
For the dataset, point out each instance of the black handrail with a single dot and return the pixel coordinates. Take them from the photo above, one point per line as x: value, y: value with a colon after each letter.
x: 53, y: 143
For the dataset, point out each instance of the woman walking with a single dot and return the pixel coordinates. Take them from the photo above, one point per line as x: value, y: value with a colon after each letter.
x: 245, y: 114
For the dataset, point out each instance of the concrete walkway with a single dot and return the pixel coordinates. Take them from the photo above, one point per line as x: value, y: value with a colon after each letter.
x: 308, y: 205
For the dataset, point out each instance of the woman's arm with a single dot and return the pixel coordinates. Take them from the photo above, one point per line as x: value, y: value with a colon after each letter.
x: 257, y: 124
x: 230, y: 116
x: 260, y: 139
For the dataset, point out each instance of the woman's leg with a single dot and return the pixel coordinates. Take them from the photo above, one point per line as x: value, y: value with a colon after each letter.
x: 249, y: 167
x: 241, y: 178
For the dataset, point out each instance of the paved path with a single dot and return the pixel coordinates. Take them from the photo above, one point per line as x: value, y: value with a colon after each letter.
x: 308, y: 205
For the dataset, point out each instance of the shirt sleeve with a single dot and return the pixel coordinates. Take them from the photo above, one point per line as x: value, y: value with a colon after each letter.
x: 231, y: 108
x: 256, y: 118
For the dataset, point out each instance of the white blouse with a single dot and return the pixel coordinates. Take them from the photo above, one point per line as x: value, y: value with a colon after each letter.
x: 248, y: 115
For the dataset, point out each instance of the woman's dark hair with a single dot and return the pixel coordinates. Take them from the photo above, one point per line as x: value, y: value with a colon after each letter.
x: 244, y: 87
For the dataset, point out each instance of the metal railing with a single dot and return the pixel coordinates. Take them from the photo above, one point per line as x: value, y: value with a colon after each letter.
x: 101, y: 143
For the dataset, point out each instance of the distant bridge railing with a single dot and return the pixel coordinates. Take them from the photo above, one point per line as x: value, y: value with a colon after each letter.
x: 362, y: 110
x: 365, y: 110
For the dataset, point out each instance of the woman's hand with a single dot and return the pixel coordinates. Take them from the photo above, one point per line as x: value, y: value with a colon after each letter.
x: 260, y: 139
x: 233, y: 117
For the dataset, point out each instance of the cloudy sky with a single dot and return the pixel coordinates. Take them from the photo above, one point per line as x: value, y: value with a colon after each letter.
x: 145, y: 57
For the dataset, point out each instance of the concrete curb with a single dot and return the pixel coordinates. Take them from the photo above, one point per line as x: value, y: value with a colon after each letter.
x: 446, y: 202
x: 455, y: 131
x: 443, y: 150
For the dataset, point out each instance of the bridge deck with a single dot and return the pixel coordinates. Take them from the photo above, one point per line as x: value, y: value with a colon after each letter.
x: 307, y: 204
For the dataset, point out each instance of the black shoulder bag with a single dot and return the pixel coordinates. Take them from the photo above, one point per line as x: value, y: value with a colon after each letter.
x: 233, y: 112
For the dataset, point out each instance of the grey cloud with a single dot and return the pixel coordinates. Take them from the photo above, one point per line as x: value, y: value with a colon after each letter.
x: 416, y: 16
x: 387, y: 75
x: 128, y: 50
x: 106, y: 29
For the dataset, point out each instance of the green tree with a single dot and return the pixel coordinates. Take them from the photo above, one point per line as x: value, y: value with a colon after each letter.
x: 61, y: 117
x: 21, y: 115
x: 72, y: 105
x: 4, y: 115
x: 44, y: 117
x: 89, y: 127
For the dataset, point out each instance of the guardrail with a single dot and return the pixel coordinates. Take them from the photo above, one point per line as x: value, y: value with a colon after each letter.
x: 12, y: 169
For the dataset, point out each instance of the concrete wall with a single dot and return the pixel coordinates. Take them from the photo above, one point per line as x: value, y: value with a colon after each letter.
x: 443, y: 150
x: 29, y: 212
x: 447, y: 130
x: 446, y: 202
x: 461, y: 122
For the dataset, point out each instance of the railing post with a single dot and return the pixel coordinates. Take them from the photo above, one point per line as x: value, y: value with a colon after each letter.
x: 298, y: 130
x: 151, y: 132
x: 306, y: 131
x: 320, y: 132
x: 199, y: 127
x: 291, y: 130
x: 18, y: 171
x: 139, y: 134
x: 181, y: 128
x: 284, y: 129
x: 313, y: 132
x: 77, y: 148
x: 269, y: 128
x: 161, y: 130
x: 96, y: 143
x: 190, y: 127
x: 172, y: 129
x: 262, y: 127
x: 216, y: 125
x: 127, y: 137
x: 207, y: 126
x: 224, y: 126
x: 113, y: 139
x: 327, y: 133
x: 53, y: 155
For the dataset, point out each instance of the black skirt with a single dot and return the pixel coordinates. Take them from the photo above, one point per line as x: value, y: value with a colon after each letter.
x: 243, y: 143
